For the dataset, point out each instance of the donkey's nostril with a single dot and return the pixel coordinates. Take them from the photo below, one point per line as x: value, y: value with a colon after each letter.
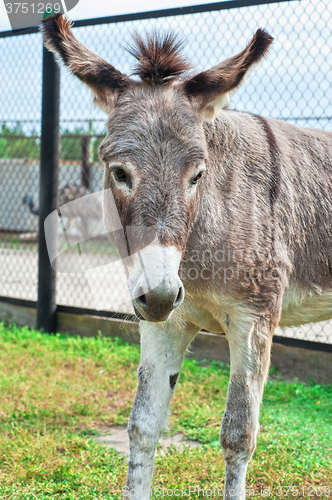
x: 158, y: 302
x: 179, y: 297
x: 141, y: 300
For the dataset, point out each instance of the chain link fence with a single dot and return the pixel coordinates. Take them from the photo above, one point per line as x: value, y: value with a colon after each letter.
x: 293, y: 83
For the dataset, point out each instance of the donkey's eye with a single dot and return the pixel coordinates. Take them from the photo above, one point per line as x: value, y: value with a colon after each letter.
x: 195, y: 179
x: 120, y: 175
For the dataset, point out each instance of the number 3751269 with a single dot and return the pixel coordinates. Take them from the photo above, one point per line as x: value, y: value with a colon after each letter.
x: 308, y: 491
x: 33, y: 7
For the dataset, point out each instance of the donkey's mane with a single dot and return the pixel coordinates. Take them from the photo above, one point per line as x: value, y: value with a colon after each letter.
x: 159, y: 57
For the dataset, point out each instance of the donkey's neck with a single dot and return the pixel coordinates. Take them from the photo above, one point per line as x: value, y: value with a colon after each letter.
x: 235, y: 192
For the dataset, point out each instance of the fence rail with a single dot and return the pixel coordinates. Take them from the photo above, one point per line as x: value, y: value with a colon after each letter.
x: 294, y: 83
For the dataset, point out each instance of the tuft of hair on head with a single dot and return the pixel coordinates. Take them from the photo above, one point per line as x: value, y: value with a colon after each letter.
x: 159, y: 57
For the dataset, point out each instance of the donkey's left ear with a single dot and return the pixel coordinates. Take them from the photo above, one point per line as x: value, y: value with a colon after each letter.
x: 210, y: 90
x: 106, y: 82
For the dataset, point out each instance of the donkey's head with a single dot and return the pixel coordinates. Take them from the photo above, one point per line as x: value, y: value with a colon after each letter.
x: 155, y: 151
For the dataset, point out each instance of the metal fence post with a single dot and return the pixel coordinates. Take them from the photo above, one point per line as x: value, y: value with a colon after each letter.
x: 85, y: 142
x: 48, y: 191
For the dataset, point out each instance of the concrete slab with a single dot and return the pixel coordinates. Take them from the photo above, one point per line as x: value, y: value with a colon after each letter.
x: 118, y: 438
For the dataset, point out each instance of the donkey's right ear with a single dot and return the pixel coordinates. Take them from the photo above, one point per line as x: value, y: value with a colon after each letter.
x: 106, y: 82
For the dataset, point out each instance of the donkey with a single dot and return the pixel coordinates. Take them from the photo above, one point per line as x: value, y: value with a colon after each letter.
x: 235, y: 212
x: 79, y: 220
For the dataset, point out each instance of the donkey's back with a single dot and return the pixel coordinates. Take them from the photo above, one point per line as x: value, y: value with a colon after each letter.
x: 304, y: 214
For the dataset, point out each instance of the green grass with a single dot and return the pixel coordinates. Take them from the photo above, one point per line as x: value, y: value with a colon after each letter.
x: 57, y: 391
x: 14, y: 143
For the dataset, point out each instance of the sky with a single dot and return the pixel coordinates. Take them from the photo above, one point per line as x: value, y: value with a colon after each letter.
x: 294, y: 82
x: 87, y: 9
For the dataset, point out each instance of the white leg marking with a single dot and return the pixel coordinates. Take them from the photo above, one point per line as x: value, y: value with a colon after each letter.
x: 163, y: 346
x: 250, y: 347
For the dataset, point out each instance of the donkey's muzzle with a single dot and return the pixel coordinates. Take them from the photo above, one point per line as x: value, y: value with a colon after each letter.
x: 158, y: 303
x: 154, y: 283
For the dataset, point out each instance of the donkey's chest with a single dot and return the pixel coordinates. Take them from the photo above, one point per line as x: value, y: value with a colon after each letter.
x: 210, y: 312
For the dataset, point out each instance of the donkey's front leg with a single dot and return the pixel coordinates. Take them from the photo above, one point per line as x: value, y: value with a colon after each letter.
x: 163, y: 346
x: 250, y: 358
